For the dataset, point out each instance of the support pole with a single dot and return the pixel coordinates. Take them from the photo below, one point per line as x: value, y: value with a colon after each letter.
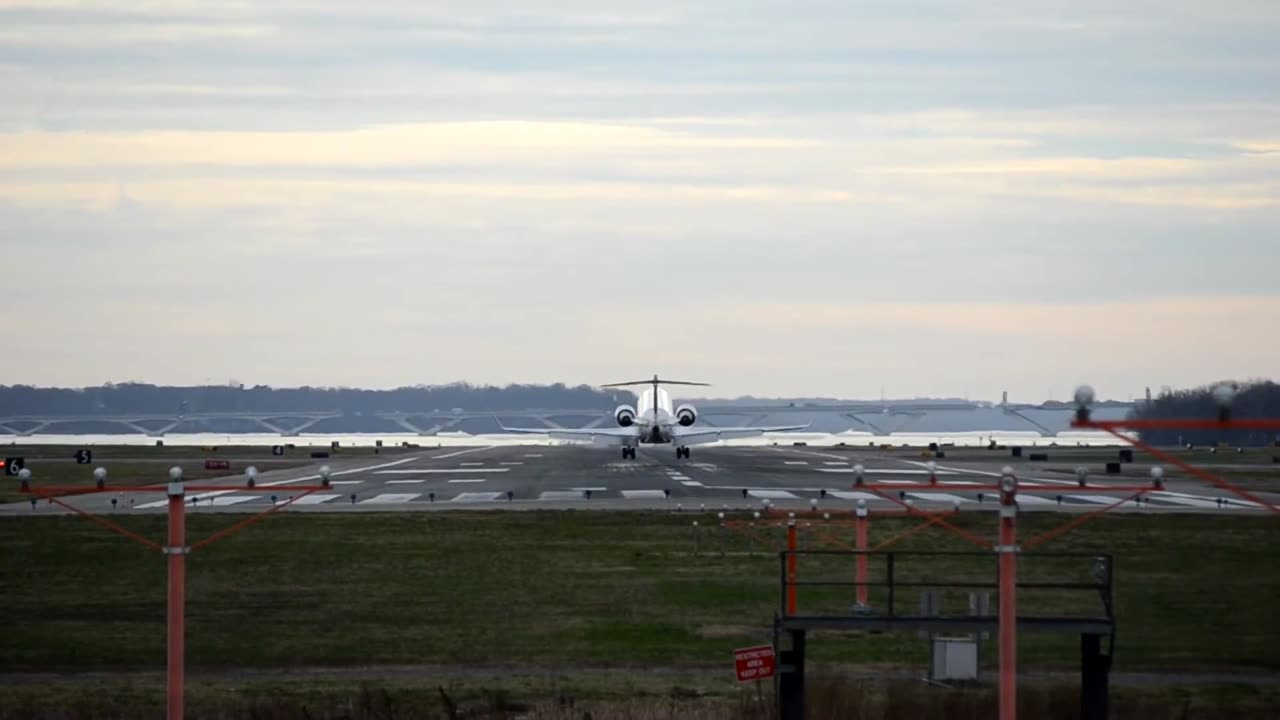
x: 791, y: 566
x: 1094, y: 670
x: 860, y: 538
x: 1008, y: 608
x: 177, y: 552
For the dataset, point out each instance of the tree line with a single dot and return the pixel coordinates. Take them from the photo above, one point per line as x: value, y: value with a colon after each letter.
x: 143, y: 398
x: 1255, y: 399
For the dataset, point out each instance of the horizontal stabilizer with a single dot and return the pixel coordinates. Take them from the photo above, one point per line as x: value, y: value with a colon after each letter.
x: 657, y: 381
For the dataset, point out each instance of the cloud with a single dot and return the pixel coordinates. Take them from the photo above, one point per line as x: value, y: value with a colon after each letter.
x: 802, y: 196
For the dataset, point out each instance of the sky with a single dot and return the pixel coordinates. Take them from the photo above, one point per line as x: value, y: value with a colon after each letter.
x: 793, y: 198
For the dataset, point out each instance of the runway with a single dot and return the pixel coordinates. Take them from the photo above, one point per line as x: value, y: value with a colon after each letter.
x: 715, y: 478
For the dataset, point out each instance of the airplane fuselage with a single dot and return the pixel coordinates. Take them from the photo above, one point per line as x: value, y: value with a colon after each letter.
x: 655, y: 417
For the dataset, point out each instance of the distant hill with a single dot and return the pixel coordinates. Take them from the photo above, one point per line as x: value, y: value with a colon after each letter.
x: 156, y: 399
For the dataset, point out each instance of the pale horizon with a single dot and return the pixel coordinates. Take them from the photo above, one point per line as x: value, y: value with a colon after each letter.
x: 784, y: 199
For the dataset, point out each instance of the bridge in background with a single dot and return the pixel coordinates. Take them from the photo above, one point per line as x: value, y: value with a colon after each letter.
x: 876, y: 418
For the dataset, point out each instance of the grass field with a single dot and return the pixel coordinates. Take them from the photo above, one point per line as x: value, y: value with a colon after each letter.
x: 1193, y: 592
x: 526, y: 608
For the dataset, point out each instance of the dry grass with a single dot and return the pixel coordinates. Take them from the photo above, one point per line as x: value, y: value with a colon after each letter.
x: 827, y: 698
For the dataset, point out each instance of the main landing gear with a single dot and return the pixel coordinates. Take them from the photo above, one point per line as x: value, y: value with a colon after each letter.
x: 628, y: 453
x: 682, y: 452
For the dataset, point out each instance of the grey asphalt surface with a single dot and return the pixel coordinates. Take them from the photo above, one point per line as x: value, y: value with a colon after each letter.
x: 736, y: 478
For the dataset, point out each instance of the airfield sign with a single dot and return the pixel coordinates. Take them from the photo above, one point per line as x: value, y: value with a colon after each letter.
x: 754, y: 663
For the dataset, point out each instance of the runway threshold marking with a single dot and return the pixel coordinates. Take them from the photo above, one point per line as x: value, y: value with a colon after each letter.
x: 939, y: 497
x: 277, y: 483
x: 858, y: 495
x: 773, y: 494
x: 560, y: 495
x: 315, y: 499
x: 644, y: 494
x: 390, y: 498
x: 691, y: 483
x: 476, y: 497
x: 229, y: 499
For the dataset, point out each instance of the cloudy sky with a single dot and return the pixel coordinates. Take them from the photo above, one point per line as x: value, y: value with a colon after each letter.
x: 792, y: 197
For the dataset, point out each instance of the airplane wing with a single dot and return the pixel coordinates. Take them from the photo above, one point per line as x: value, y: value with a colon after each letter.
x: 702, y: 435
x: 600, y: 436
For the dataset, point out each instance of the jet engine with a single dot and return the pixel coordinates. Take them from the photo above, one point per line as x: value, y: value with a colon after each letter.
x: 625, y: 415
x: 686, y: 415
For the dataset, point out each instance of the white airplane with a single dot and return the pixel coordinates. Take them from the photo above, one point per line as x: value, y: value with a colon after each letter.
x: 657, y: 423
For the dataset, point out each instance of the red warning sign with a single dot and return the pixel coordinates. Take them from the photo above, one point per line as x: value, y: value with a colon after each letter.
x: 754, y: 663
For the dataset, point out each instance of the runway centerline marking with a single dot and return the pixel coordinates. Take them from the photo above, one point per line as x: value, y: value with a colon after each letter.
x: 405, y: 482
x: 455, y: 481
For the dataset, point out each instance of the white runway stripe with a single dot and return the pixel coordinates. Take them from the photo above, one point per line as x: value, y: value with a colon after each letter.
x: 561, y: 495
x: 858, y: 495
x: 691, y: 483
x: 643, y: 494
x: 390, y: 498
x: 476, y: 497
x: 1187, y: 501
x: 511, y: 462
x: 346, y: 482
x: 232, y: 500
x: 795, y: 462
x: 1035, y: 500
x: 881, y: 471
x: 315, y: 499
x: 405, y: 482
x: 939, y: 497
x: 461, y: 452
x: 681, y: 478
x: 442, y: 471
x: 471, y: 464
x: 1100, y: 499
x: 835, y: 462
x: 772, y: 494
x: 455, y: 481
x: 1230, y: 500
